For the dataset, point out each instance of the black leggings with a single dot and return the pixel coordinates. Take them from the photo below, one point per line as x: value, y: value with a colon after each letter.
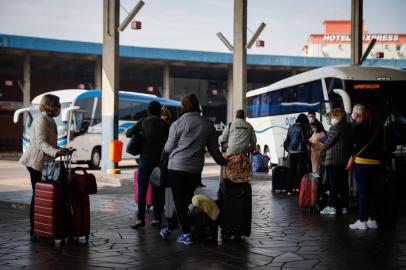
x: 183, y: 185
x: 35, y: 178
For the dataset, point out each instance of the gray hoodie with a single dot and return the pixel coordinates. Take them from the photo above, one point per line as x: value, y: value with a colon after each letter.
x: 188, y: 138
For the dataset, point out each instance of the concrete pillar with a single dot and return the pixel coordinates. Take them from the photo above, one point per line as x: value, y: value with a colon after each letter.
x: 166, y: 81
x: 240, y: 55
x: 98, y: 73
x: 110, y: 79
x: 27, y: 81
x: 230, y: 95
x: 356, y: 31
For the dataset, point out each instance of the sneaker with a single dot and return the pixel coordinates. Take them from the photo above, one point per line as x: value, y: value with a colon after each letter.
x: 328, y: 211
x: 165, y: 232
x: 371, y: 224
x: 358, y: 225
x: 155, y: 222
x: 344, y: 211
x: 138, y: 224
x: 184, y: 239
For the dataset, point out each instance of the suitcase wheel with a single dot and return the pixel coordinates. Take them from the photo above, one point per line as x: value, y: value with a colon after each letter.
x: 34, y: 238
x: 51, y: 242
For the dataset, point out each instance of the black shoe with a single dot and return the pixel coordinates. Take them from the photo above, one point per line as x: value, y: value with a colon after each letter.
x: 138, y: 224
x: 201, y: 185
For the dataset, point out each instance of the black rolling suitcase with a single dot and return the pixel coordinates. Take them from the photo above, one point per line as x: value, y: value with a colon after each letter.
x: 235, y: 201
x: 280, y: 178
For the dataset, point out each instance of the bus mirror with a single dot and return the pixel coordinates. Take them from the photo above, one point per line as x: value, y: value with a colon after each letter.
x: 346, y: 99
x: 65, y: 113
x: 18, y: 112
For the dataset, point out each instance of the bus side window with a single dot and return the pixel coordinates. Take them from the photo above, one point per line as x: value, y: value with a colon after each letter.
x: 86, y: 107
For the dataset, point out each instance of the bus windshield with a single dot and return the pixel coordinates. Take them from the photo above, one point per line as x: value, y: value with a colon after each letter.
x: 34, y: 113
x: 385, y: 97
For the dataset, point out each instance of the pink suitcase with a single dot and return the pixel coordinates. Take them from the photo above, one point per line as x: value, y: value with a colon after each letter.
x: 149, y: 191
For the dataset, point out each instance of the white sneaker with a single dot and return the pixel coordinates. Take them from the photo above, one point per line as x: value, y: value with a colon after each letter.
x: 358, y: 225
x: 371, y: 224
x: 328, y: 211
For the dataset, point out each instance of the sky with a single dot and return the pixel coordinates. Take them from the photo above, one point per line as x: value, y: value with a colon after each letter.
x: 193, y: 24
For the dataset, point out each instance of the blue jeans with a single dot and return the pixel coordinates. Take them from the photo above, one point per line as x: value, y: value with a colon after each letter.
x: 35, y: 177
x: 145, y: 168
x: 367, y: 178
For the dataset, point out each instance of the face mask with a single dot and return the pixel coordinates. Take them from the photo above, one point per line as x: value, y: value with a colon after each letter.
x: 334, y: 121
x: 314, y: 130
x: 312, y: 119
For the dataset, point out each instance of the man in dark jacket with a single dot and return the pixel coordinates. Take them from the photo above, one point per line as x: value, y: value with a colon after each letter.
x: 155, y: 133
x: 337, y: 148
x: 296, y: 145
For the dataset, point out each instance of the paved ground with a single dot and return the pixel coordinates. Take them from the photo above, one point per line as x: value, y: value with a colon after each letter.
x: 283, y: 237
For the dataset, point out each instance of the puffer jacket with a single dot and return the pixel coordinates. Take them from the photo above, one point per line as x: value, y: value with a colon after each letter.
x: 338, y: 146
x: 296, y: 139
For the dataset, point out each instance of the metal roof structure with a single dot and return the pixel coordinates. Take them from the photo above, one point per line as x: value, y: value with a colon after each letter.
x: 95, y: 49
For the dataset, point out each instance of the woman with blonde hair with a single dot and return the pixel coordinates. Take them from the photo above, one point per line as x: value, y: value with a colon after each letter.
x: 337, y: 148
x: 43, y: 145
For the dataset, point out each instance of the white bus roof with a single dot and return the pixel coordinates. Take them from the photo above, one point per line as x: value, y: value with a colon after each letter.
x: 362, y: 73
x: 70, y: 95
x: 67, y: 95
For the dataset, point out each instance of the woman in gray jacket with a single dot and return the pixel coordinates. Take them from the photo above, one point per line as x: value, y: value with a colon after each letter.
x: 188, y: 138
x: 43, y: 145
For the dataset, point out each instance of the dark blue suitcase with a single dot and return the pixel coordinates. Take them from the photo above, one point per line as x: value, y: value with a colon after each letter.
x: 280, y: 178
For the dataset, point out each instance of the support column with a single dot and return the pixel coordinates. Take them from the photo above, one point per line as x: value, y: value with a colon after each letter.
x: 230, y: 95
x: 240, y: 55
x: 27, y: 81
x: 98, y: 73
x: 110, y: 79
x: 356, y: 31
x: 166, y: 81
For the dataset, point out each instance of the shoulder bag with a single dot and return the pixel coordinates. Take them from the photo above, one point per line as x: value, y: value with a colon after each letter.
x: 136, y: 142
x: 351, y: 160
x: 159, y: 175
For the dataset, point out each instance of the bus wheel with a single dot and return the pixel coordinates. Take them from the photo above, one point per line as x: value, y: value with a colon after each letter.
x: 95, y: 158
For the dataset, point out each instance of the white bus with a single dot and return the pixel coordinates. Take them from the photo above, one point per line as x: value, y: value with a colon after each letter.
x: 80, y: 122
x: 272, y: 109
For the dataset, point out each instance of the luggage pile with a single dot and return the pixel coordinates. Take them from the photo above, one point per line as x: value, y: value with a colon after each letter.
x: 61, y: 206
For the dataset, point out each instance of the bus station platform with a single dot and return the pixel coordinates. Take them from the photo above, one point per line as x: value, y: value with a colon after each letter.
x: 283, y: 237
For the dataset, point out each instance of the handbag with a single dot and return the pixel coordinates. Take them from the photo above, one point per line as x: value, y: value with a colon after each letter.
x: 83, y: 183
x: 351, y: 160
x: 159, y: 174
x: 136, y: 142
x: 55, y: 171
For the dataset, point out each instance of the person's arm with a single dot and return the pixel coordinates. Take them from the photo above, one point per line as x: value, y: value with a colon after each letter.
x: 42, y: 129
x: 172, y: 141
x: 332, y: 137
x: 213, y: 148
x: 134, y: 129
x: 253, y: 139
x: 224, y: 136
x: 287, y: 140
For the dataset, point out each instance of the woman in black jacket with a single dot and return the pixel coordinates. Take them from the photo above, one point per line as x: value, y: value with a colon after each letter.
x: 368, y: 136
x: 337, y: 150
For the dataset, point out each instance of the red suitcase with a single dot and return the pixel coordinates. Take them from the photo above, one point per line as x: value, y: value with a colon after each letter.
x: 81, y: 216
x: 51, y: 212
x: 308, y: 191
x: 149, y: 191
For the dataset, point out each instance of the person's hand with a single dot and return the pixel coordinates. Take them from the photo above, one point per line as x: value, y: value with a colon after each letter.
x: 62, y: 152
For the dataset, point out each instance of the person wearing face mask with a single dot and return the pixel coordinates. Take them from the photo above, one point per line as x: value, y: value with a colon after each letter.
x: 337, y: 150
x: 43, y: 145
x: 316, y: 145
x: 368, y: 138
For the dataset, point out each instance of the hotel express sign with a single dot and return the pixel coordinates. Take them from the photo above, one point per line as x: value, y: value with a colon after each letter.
x: 365, y: 37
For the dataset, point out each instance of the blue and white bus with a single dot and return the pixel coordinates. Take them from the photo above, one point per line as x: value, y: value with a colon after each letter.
x: 272, y: 109
x: 80, y: 122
